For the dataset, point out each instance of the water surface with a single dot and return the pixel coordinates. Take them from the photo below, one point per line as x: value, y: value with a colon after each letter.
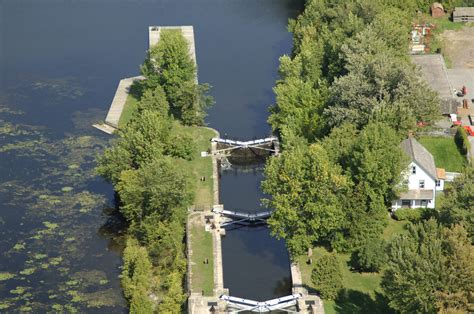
x: 60, y: 62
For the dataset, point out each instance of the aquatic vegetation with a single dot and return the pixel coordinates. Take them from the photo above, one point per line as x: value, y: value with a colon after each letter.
x: 57, y: 307
x: 55, y: 260
x: 19, y: 246
x: 28, y: 271
x: 4, y: 305
x: 67, y: 189
x: 54, y: 182
x: 75, y: 295
x: 72, y: 283
x: 60, y: 88
x: 6, y: 276
x: 109, y: 297
x: 26, y: 308
x: 40, y: 256
x: 19, y: 290
x: 50, y: 225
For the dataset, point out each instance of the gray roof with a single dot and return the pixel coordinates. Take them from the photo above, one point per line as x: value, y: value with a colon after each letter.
x: 420, y: 155
x: 463, y: 11
x: 417, y: 195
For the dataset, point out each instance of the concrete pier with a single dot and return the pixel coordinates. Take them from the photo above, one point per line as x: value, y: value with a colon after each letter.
x: 309, y: 303
x: 111, y: 123
x: 118, y: 103
x: 187, y: 31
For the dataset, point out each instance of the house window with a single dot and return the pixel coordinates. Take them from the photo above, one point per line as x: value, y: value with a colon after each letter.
x: 413, y: 169
x: 406, y: 203
x: 422, y: 184
x: 424, y: 203
x: 438, y: 183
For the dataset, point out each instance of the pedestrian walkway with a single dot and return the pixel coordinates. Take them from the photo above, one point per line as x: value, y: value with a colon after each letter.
x: 118, y: 103
x: 111, y: 123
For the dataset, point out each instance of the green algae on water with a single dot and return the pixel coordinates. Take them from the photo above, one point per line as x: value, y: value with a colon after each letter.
x: 6, y: 276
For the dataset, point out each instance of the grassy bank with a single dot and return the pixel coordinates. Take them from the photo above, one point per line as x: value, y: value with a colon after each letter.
x: 361, y: 292
x: 200, y: 167
x: 445, y: 152
x: 200, y: 241
x: 131, y: 105
x: 202, y: 273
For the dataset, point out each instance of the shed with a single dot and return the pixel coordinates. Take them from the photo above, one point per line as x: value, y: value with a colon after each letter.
x: 463, y: 14
x: 437, y: 10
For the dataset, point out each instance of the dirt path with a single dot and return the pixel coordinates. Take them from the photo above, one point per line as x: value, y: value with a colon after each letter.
x: 459, y: 46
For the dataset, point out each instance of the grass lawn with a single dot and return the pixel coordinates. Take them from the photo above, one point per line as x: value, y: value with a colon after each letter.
x: 361, y: 292
x: 200, y: 166
x: 129, y: 108
x: 445, y: 152
x: 202, y: 274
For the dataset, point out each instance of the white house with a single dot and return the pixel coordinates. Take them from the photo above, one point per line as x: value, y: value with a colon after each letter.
x: 422, y: 177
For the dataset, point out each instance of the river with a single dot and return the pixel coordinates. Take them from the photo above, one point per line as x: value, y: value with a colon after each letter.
x: 60, y: 63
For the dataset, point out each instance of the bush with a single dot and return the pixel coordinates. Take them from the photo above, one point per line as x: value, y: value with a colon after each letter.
x: 409, y: 214
x: 462, y: 140
x: 370, y: 256
x: 327, y: 276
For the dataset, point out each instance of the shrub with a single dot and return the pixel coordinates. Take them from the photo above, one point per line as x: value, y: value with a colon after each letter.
x: 327, y: 276
x: 462, y: 140
x: 409, y: 214
x: 370, y: 256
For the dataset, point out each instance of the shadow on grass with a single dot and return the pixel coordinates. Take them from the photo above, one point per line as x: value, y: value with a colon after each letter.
x: 353, y: 301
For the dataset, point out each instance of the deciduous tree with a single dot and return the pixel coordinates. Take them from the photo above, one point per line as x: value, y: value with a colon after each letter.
x: 458, y: 206
x: 429, y: 269
x: 308, y: 193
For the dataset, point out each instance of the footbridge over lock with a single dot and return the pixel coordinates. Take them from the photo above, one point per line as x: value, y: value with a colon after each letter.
x: 240, y: 217
x: 239, y: 305
x: 231, y: 151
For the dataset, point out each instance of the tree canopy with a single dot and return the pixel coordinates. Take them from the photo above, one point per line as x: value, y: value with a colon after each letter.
x: 154, y: 191
x: 307, y: 194
x: 430, y: 270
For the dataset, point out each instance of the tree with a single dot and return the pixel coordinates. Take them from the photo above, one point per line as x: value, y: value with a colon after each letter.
x: 159, y: 187
x: 456, y: 292
x: 154, y: 100
x: 174, y: 296
x: 370, y: 256
x: 146, y: 136
x: 170, y: 65
x: 429, y: 269
x: 137, y: 277
x: 377, y: 161
x: 458, y: 205
x: 113, y: 161
x: 307, y: 192
x: 327, y: 276
x: 377, y: 80
x: 298, y: 105
x: 374, y: 161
